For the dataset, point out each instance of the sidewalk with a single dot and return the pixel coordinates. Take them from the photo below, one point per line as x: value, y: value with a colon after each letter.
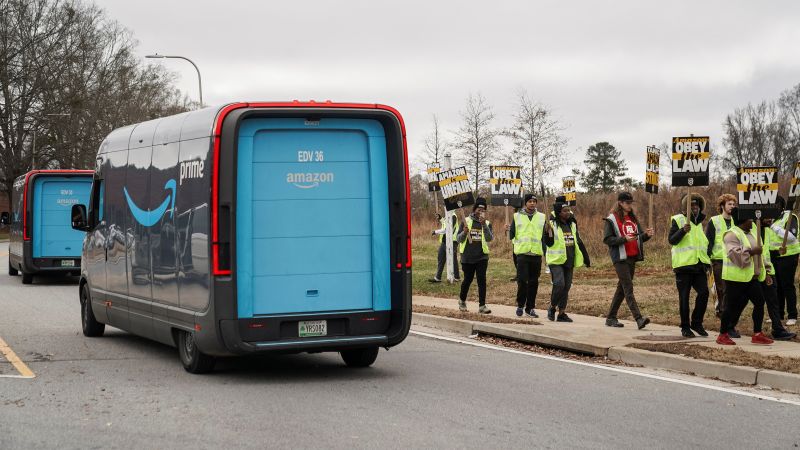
x: 589, y: 335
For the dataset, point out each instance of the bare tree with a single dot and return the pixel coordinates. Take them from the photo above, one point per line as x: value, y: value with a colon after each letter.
x: 758, y: 135
x: 476, y: 139
x: 539, y: 145
x: 435, y: 144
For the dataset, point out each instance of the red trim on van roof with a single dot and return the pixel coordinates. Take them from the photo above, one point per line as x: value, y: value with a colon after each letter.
x: 293, y: 104
x: 25, y: 236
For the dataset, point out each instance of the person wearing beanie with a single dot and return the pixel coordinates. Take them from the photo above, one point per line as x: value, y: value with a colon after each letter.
x: 716, y: 227
x: 441, y: 258
x: 625, y: 239
x: 525, y: 232
x: 769, y: 285
x: 565, y: 252
x: 785, y: 261
x: 690, y: 262
x: 474, y: 238
x: 743, y: 270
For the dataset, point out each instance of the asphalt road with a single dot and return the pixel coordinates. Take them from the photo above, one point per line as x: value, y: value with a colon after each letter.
x: 120, y: 391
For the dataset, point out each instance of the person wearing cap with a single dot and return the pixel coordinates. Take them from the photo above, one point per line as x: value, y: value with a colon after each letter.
x: 785, y: 261
x: 769, y: 285
x: 525, y: 232
x: 474, y: 239
x: 690, y: 262
x: 565, y: 252
x: 716, y: 227
x: 442, y: 256
x: 743, y: 271
x: 625, y: 240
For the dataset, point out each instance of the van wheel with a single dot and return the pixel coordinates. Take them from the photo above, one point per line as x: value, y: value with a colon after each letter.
x: 91, y: 327
x: 27, y: 278
x: 11, y: 270
x: 193, y: 360
x: 361, y: 357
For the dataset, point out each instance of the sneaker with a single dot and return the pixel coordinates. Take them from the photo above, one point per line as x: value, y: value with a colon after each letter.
x: 687, y: 333
x: 563, y: 317
x: 724, y: 339
x: 513, y: 279
x: 759, y: 338
x: 734, y: 334
x: 642, y: 322
x: 551, y: 313
x: 457, y: 280
x: 435, y: 280
x: 532, y: 313
x: 769, y: 320
x: 462, y: 305
x: 783, y: 335
x: 519, y: 312
x: 791, y: 322
x: 614, y: 323
x: 483, y: 309
x: 699, y: 330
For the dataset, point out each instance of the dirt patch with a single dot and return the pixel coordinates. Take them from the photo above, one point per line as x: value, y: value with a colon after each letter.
x: 516, y: 345
x: 446, y: 312
x: 734, y: 356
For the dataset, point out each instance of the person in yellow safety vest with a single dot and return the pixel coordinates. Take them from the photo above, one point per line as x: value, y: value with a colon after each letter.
x: 769, y: 236
x: 442, y: 256
x: 525, y: 232
x: 785, y: 261
x: 565, y: 252
x: 716, y: 227
x: 743, y: 271
x: 474, y: 238
x: 690, y: 262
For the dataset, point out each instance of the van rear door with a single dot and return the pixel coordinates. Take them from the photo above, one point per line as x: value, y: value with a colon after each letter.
x: 53, y: 198
x: 312, y: 216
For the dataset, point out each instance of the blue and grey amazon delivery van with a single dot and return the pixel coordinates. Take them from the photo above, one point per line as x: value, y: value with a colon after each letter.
x: 252, y: 227
x: 41, y: 238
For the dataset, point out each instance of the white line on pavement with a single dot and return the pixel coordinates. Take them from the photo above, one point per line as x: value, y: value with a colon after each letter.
x: 605, y: 367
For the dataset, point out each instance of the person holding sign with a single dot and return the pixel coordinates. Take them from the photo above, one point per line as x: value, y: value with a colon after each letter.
x: 743, y: 271
x: 785, y: 261
x: 525, y: 232
x: 716, y: 227
x: 690, y: 262
x: 769, y: 285
x: 442, y: 256
x: 473, y: 245
x: 565, y: 252
x: 625, y: 240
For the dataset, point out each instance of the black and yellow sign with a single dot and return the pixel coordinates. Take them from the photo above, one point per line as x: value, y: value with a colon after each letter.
x: 455, y: 187
x: 570, y: 191
x: 757, y: 189
x: 505, y: 183
x: 794, y: 185
x: 690, y: 159
x: 433, y: 169
x: 651, y: 170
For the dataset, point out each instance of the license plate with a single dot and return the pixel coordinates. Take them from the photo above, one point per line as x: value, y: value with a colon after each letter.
x: 311, y: 328
x: 67, y: 263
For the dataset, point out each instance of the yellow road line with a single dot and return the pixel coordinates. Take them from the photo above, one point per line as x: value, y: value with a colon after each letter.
x: 12, y: 357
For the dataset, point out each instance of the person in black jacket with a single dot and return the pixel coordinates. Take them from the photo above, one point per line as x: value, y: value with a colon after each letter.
x: 625, y: 239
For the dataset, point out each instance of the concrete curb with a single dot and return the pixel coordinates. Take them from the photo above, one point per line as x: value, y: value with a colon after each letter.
x: 789, y: 382
x: 457, y: 326
x: 496, y: 329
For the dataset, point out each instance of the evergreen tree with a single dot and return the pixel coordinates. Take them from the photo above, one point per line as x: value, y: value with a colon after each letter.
x: 605, y: 166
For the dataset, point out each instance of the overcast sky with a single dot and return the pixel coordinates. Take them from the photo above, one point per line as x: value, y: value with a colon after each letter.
x: 630, y: 73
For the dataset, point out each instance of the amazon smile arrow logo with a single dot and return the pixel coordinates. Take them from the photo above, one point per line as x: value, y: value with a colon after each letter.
x: 149, y: 218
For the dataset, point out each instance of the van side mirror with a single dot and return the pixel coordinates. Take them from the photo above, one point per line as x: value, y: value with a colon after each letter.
x: 5, y: 219
x: 79, y: 221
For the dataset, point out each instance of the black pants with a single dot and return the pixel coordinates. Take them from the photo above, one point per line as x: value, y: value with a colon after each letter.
x: 686, y: 282
x: 442, y: 260
x: 771, y: 302
x: 737, y: 295
x: 625, y: 271
x: 719, y: 285
x: 785, y: 269
x: 529, y: 268
x: 562, y: 282
x: 470, y: 270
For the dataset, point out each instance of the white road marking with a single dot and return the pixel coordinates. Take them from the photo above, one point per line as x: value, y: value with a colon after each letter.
x: 605, y: 367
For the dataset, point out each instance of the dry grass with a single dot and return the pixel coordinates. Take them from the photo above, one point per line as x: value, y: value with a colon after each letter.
x: 473, y: 316
x: 734, y: 356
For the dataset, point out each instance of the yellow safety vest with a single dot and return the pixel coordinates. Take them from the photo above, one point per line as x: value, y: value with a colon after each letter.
x: 528, y: 233
x: 557, y: 254
x: 776, y: 242
x: 767, y: 242
x: 484, y: 244
x: 732, y: 272
x: 720, y: 227
x: 692, y: 248
x: 443, y: 221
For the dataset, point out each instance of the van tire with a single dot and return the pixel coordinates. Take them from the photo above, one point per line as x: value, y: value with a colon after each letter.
x: 11, y: 269
x: 193, y: 360
x: 360, y: 357
x: 27, y: 278
x: 91, y: 327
